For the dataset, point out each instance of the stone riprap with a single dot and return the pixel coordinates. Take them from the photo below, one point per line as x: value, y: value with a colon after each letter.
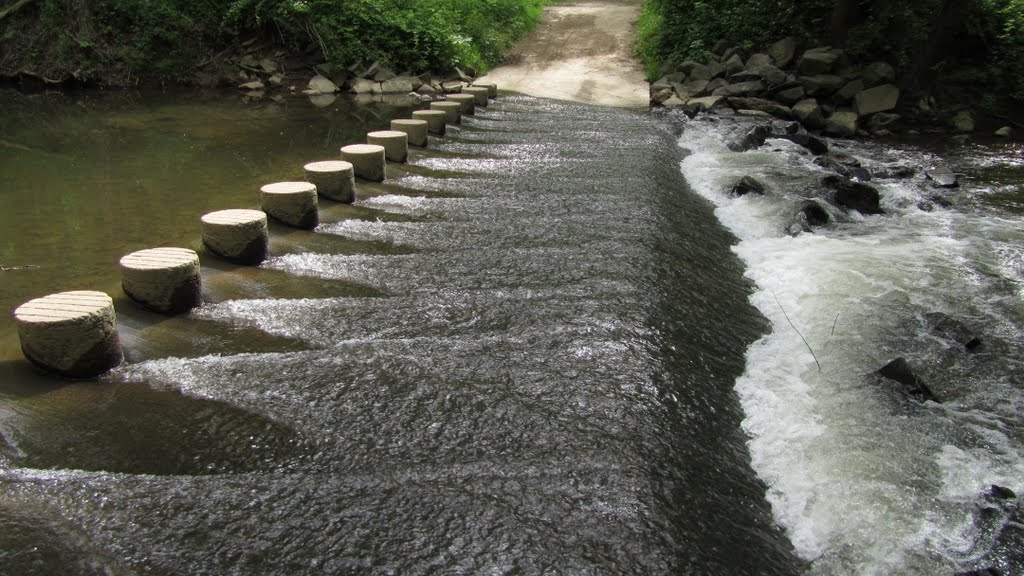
x: 334, y: 179
x: 293, y: 203
x: 73, y: 334
x: 394, y: 142
x: 367, y: 161
x: 237, y: 235
x: 165, y: 280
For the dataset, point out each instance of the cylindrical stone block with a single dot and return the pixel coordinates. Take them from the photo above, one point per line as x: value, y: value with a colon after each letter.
x: 436, y: 120
x: 334, y: 179
x: 71, y: 333
x: 479, y: 92
x: 395, y: 143
x: 452, y: 110
x: 367, y: 160
x: 293, y: 203
x: 468, y: 102
x: 416, y: 130
x: 492, y: 89
x: 163, y: 279
x: 237, y: 235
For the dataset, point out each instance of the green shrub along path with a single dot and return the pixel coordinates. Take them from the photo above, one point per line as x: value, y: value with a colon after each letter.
x: 132, y: 42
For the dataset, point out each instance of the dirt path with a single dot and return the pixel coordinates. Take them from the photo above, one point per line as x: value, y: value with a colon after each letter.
x: 581, y: 52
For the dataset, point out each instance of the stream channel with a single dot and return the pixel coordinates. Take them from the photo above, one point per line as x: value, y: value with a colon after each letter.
x: 551, y: 343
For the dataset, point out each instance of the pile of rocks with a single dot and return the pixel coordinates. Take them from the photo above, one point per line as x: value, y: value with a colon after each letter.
x: 820, y: 88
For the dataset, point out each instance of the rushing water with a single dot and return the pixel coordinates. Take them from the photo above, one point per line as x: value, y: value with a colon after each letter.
x: 516, y: 355
x: 534, y: 349
x: 864, y: 480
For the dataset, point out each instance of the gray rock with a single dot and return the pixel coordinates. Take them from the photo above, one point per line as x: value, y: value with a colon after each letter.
x: 748, y: 185
x: 703, y: 104
x: 397, y: 85
x: 899, y: 370
x: 878, y: 99
x: 882, y: 121
x: 733, y: 65
x: 845, y: 94
x: 762, y: 105
x: 276, y: 80
x: 842, y: 123
x: 781, y: 128
x: 716, y: 84
x: 843, y: 164
x: 659, y: 94
x: 858, y: 196
x: 363, y: 86
x: 790, y: 96
x: 754, y: 138
x: 254, y: 86
x: 691, y: 89
x: 822, y: 84
x: 877, y: 73
x: 322, y: 85
x: 809, y: 113
x: 715, y: 69
x: 963, y: 121
x: 687, y: 66
x: 770, y: 74
x: 942, y: 176
x: 451, y: 86
x: 465, y: 75
x: 664, y: 82
x: 429, y: 91
x: 758, y: 60
x: 811, y: 215
x: 949, y: 328
x: 782, y: 52
x: 1004, y: 132
x: 740, y: 89
x: 813, y: 144
x: 729, y: 53
x: 673, y: 101
x: 818, y: 61
x: 699, y: 72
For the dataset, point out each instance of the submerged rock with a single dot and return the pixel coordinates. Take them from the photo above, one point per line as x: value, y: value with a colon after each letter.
x: 754, y: 138
x: 942, y: 176
x: 748, y: 185
x: 949, y: 328
x: 858, y: 196
x: 811, y: 215
x: 899, y: 370
x: 815, y: 145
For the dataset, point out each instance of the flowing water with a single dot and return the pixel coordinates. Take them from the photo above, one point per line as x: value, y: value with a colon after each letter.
x: 533, y: 349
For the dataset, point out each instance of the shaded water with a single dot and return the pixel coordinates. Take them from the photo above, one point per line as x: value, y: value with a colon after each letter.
x: 517, y: 355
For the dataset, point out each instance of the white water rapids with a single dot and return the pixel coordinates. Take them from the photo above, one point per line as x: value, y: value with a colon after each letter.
x: 864, y: 480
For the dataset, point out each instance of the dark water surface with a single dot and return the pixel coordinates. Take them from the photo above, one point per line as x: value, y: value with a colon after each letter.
x: 516, y: 355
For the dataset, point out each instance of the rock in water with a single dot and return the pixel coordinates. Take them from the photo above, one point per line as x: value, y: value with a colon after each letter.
x: 857, y: 196
x: 942, y: 176
x: 899, y: 370
x: 322, y: 85
x: 747, y: 185
x: 878, y: 99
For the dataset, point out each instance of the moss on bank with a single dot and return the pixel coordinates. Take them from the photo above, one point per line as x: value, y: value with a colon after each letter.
x: 128, y: 42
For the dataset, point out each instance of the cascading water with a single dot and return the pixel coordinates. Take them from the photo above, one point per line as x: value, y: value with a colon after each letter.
x: 864, y: 479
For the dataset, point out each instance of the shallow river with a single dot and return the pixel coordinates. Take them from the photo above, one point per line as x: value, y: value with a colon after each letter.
x: 534, y: 349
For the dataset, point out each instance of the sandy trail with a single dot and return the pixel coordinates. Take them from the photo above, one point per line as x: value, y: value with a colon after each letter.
x: 581, y: 52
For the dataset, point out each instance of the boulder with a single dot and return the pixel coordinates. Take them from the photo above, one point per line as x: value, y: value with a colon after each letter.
x: 963, y: 121
x: 719, y: 47
x: 845, y: 165
x: 716, y: 84
x: 451, y: 87
x: 878, y: 99
x: 858, y: 196
x: 740, y: 89
x: 429, y: 91
x: 882, y: 121
x: 754, y: 138
x: 818, y: 61
x: 467, y: 75
x: 842, y: 124
x: 758, y: 60
x: 790, y: 96
x: 687, y: 66
x: 899, y: 370
x: 690, y: 89
x: 815, y: 145
x: 321, y: 85
x: 673, y: 101
x: 942, y: 176
x: 363, y: 86
x: 877, y: 73
x: 770, y: 74
x: 715, y: 69
x: 782, y: 128
x: 782, y: 52
x: 1004, y: 132
x: 811, y: 215
x: 733, y: 65
x: 760, y: 104
x: 397, y: 85
x: 822, y: 84
x: 809, y: 113
x: 846, y: 94
x: 702, y: 104
x: 896, y: 171
x: 748, y: 185
x: 949, y: 328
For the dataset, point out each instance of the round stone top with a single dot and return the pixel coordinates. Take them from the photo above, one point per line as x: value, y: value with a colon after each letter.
x: 428, y: 113
x: 473, y: 89
x: 446, y: 104
x: 483, y: 85
x: 289, y: 188
x: 458, y: 97
x: 64, y: 307
x: 404, y: 122
x: 234, y: 216
x: 160, y: 259
x: 387, y: 134
x: 360, y: 149
x: 329, y: 166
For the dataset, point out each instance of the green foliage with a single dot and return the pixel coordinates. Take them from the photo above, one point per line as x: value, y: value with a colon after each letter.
x: 1009, y: 49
